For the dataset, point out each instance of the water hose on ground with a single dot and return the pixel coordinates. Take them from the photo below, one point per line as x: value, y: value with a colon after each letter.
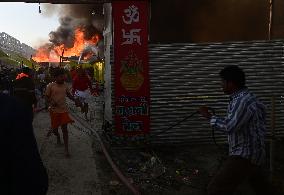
x: 132, y: 188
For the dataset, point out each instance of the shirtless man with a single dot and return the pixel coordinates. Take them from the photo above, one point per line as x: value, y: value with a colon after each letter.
x: 56, y: 93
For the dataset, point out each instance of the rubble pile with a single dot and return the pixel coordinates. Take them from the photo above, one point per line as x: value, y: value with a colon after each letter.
x: 165, y: 171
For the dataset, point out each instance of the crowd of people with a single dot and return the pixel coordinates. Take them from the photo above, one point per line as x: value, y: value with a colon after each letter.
x: 29, y: 86
x: 20, y: 91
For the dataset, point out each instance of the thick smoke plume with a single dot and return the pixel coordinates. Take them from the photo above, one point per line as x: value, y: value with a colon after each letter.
x: 87, y: 17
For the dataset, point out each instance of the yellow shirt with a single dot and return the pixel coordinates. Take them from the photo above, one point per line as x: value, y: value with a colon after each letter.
x: 56, y: 93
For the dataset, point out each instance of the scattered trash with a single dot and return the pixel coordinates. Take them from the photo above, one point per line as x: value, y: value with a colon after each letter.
x: 114, y: 183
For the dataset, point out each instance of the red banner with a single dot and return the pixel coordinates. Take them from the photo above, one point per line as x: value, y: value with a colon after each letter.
x: 131, y: 67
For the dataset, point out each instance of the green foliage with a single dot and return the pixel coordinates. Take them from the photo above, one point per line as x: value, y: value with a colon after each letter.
x: 21, y: 59
x: 16, y: 59
x: 3, y: 54
x: 75, y: 64
x: 8, y: 61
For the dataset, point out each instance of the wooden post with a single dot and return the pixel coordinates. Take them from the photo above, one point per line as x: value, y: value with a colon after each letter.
x: 61, y: 58
x: 272, y: 141
x: 270, y: 24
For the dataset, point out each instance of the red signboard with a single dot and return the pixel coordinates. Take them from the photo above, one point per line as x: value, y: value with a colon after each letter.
x: 132, y: 87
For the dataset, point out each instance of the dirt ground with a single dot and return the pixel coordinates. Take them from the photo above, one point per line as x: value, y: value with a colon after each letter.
x: 158, y: 170
x: 76, y: 175
x: 180, y: 170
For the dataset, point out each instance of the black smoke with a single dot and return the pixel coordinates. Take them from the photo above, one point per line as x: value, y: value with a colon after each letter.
x: 89, y: 18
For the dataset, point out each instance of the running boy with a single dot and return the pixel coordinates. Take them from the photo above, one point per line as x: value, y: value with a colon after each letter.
x: 56, y: 93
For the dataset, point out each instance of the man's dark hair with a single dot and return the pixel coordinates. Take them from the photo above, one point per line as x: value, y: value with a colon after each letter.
x: 234, y: 74
x: 58, y: 71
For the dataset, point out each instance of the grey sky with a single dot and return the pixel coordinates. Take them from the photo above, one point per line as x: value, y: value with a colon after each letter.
x: 24, y: 22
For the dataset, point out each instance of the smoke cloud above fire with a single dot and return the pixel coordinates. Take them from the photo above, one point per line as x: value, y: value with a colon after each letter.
x: 71, y: 16
x: 88, y: 19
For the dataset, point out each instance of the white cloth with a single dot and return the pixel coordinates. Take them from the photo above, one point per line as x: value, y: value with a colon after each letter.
x: 82, y: 95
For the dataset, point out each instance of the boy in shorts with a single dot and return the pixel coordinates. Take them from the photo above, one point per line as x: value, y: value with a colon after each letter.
x: 56, y: 93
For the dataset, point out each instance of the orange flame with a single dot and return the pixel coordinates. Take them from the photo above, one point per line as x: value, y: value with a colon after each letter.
x: 53, y: 55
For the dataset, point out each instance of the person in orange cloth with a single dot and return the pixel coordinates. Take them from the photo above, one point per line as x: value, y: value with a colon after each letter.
x: 56, y: 93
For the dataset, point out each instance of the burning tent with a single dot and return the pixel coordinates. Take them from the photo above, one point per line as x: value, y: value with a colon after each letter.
x: 79, y: 32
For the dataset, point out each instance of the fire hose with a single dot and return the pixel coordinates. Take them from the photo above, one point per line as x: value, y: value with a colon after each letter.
x: 121, y: 176
x: 187, y: 117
